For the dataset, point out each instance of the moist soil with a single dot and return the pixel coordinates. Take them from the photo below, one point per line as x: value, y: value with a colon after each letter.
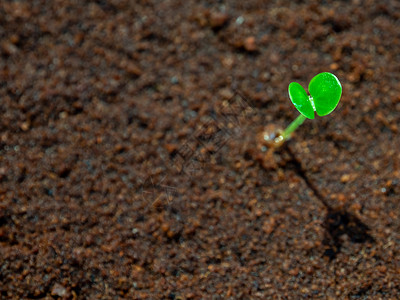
x: 133, y: 162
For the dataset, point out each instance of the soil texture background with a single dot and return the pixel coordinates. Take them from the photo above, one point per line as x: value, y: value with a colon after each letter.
x: 133, y: 164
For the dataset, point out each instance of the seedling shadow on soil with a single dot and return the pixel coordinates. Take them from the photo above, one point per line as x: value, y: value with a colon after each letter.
x: 338, y: 222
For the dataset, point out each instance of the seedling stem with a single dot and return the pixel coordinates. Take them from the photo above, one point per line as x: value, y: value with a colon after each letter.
x: 292, y: 127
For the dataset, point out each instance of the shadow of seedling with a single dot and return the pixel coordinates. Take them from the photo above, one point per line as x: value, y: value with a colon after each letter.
x: 339, y: 222
x: 201, y: 150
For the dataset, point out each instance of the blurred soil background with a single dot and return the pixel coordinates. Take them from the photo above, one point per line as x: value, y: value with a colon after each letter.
x: 132, y: 162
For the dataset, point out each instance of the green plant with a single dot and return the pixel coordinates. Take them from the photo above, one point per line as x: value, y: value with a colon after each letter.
x: 325, y: 91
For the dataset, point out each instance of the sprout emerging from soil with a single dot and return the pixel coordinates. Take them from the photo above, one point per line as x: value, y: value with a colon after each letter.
x: 325, y: 91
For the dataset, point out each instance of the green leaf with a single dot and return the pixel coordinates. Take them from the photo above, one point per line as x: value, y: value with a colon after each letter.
x: 326, y: 90
x: 300, y: 100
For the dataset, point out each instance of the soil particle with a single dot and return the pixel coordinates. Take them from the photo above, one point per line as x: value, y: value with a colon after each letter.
x: 250, y: 44
x: 59, y: 290
x: 218, y: 19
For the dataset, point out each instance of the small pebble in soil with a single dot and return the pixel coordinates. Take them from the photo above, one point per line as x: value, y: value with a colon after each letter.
x: 250, y: 44
x: 218, y: 19
x: 59, y: 290
x: 239, y: 20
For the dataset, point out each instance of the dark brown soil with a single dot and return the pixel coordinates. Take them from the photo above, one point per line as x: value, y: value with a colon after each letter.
x: 132, y: 162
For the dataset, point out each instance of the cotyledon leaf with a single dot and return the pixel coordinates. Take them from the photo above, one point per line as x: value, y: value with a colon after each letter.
x: 325, y: 88
x: 300, y: 100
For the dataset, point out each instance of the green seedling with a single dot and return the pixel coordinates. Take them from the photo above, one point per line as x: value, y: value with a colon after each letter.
x: 325, y: 91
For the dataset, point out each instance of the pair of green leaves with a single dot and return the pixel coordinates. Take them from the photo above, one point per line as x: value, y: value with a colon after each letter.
x: 325, y: 90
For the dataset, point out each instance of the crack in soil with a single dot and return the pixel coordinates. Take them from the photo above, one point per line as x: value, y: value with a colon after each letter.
x: 338, y: 221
